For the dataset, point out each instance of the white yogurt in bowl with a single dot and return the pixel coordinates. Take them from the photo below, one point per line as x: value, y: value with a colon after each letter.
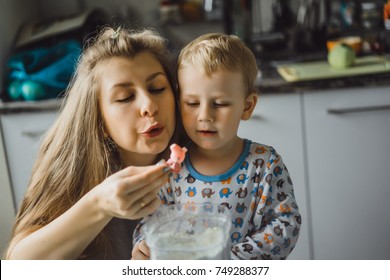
x: 188, y: 231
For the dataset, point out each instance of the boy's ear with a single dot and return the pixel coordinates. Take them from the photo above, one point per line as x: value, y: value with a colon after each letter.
x: 250, y: 104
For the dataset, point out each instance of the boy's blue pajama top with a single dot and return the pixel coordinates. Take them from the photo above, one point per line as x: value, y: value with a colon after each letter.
x: 259, y: 193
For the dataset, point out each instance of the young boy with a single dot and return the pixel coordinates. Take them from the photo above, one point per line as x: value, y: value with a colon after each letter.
x: 216, y: 74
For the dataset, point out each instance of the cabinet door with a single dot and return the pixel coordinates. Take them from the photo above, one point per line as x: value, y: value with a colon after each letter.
x: 22, y: 133
x: 7, y: 208
x: 348, y: 147
x: 277, y: 122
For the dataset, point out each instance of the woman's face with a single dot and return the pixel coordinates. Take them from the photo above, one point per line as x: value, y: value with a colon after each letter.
x: 137, y: 106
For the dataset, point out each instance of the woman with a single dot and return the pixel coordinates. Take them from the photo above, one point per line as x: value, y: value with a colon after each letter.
x: 96, y: 170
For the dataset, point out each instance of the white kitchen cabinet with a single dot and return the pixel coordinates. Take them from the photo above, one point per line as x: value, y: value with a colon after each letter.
x: 277, y: 121
x: 7, y: 212
x: 348, y: 150
x: 22, y: 133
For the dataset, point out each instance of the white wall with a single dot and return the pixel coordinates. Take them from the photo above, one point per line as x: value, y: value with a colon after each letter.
x: 132, y: 10
x: 57, y: 8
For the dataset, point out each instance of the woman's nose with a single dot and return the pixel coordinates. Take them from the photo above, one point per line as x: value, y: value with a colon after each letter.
x: 148, y: 107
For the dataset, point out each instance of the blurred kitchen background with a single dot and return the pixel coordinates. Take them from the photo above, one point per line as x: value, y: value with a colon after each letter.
x: 331, y: 126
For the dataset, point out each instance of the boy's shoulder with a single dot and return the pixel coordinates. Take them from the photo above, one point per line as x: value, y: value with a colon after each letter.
x: 256, y: 146
x: 263, y: 150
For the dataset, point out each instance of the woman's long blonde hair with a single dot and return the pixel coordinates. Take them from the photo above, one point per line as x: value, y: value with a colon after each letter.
x: 75, y: 156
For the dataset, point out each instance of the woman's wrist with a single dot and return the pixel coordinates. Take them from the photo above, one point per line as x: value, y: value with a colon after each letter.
x: 94, y: 203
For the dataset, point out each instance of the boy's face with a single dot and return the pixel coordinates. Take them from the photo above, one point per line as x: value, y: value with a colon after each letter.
x: 212, y: 106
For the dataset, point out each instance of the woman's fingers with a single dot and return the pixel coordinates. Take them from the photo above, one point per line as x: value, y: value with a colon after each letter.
x: 147, y: 199
x: 150, y: 177
x: 144, y: 248
x: 133, y: 196
x: 147, y: 209
x: 135, y: 189
x: 151, y: 189
x: 150, y: 171
x: 141, y: 251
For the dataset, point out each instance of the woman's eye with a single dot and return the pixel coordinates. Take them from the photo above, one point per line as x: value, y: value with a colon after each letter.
x: 192, y: 104
x: 126, y: 99
x: 157, y: 90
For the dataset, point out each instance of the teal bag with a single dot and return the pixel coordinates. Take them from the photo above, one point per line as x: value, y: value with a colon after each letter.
x: 42, y: 73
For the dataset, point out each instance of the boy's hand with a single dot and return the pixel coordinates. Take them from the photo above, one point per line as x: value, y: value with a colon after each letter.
x: 141, y: 251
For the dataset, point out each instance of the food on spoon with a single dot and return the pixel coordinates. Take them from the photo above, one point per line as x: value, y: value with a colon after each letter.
x: 177, y: 157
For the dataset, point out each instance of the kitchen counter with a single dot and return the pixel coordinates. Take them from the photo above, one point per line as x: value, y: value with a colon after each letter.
x: 270, y: 82
x: 30, y: 106
x: 276, y: 84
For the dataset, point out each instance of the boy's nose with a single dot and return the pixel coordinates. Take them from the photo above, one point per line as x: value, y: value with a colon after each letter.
x: 205, y: 114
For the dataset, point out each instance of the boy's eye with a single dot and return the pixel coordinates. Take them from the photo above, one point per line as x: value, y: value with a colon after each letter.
x: 157, y: 90
x: 220, y: 104
x: 192, y: 104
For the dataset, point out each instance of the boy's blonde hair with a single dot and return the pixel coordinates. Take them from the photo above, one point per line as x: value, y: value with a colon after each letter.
x: 215, y: 51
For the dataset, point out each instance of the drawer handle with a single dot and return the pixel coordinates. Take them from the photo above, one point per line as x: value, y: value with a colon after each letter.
x: 33, y: 134
x: 338, y: 111
x: 256, y: 117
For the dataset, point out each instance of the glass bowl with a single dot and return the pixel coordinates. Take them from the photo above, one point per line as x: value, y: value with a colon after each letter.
x: 188, y: 231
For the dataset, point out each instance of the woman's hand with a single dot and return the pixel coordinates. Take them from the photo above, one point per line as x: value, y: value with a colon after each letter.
x: 141, y: 251
x: 131, y: 193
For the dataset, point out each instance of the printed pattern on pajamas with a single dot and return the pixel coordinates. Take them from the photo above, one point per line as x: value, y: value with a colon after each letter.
x: 258, y: 191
